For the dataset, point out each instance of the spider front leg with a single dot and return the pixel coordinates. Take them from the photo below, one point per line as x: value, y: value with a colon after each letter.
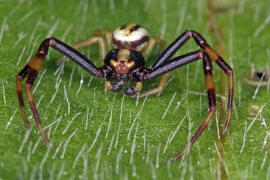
x: 179, y: 42
x: 207, y: 66
x: 33, y: 67
x: 104, y: 45
x: 103, y: 50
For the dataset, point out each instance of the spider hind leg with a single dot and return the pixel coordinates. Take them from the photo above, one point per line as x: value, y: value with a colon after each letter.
x: 146, y: 53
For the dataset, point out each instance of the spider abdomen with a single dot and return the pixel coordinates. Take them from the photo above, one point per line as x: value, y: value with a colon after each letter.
x: 130, y: 36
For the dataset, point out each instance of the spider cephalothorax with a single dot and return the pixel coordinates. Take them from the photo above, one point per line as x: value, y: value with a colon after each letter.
x: 124, y: 53
x: 120, y: 66
x: 123, y: 61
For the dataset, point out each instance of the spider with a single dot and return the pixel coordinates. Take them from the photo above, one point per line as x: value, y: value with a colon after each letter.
x: 123, y: 52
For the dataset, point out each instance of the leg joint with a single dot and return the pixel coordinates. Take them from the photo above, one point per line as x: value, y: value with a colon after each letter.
x: 28, y: 86
x: 43, y: 48
x: 199, y: 39
x: 19, y: 77
x: 230, y: 72
x: 207, y: 65
x: 189, y: 32
x: 212, y: 109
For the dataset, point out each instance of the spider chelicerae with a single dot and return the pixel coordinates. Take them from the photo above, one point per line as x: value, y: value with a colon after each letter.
x: 124, y: 52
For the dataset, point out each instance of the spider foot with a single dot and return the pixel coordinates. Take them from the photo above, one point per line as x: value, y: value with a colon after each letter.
x: 113, y: 87
x: 117, y: 87
x: 130, y: 91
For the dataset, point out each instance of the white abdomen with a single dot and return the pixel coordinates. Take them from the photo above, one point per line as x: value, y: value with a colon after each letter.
x: 130, y: 36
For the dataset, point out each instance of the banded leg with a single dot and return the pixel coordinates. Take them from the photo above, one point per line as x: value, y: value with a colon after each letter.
x: 210, y: 89
x: 19, y: 79
x: 207, y: 66
x: 108, y: 37
x: 33, y: 67
x: 146, y: 53
x: 179, y: 42
x: 91, y: 41
x: 224, y: 66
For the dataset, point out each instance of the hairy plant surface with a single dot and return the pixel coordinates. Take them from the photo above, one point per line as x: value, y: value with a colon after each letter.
x: 104, y: 135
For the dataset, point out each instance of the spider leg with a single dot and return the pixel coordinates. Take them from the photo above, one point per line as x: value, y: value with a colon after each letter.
x: 170, y: 50
x: 172, y: 64
x: 207, y: 67
x: 181, y: 40
x: 130, y: 91
x: 34, y: 66
x: 161, y: 86
x: 19, y: 79
x: 28, y: 87
x: 224, y: 66
x: 150, y: 46
x: 96, y: 39
x: 146, y: 53
x: 108, y: 37
x: 115, y: 87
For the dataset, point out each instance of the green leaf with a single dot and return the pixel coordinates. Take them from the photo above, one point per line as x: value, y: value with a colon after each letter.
x: 103, y: 135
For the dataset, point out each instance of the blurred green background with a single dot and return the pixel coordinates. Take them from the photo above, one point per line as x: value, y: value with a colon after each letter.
x: 103, y: 135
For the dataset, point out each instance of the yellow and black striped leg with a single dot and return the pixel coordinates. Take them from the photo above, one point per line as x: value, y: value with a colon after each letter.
x: 207, y: 67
